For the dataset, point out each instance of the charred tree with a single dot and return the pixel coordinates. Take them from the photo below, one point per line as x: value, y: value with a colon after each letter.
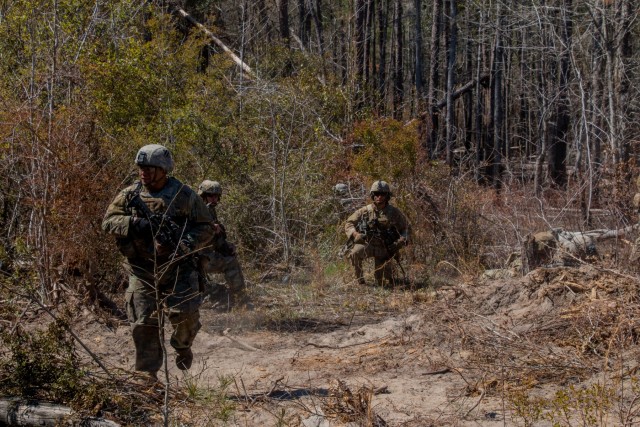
x: 558, y: 146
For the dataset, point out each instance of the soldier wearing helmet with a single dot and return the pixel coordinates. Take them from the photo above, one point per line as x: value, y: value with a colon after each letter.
x: 378, y: 230
x: 162, y: 276
x: 220, y: 256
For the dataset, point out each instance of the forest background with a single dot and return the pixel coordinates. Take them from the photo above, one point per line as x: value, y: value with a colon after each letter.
x: 490, y: 119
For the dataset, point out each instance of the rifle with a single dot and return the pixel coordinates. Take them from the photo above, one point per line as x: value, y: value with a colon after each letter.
x: 388, y: 236
x: 164, y: 228
x: 371, y: 230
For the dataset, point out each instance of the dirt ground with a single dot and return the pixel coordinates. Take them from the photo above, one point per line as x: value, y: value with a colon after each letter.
x: 465, y: 352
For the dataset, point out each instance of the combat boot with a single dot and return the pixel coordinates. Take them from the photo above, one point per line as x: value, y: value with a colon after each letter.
x: 184, y: 359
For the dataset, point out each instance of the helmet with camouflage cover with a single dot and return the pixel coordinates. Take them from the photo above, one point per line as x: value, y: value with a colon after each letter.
x: 155, y: 155
x: 380, y: 187
x: 209, y: 187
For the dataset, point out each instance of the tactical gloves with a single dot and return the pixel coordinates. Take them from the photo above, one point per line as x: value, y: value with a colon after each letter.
x: 358, y: 237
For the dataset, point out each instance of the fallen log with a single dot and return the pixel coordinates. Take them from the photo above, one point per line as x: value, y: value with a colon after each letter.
x: 560, y: 246
x: 19, y: 412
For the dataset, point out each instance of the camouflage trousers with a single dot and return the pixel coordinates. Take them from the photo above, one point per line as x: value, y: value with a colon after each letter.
x: 175, y: 294
x: 214, y: 263
x: 383, y: 262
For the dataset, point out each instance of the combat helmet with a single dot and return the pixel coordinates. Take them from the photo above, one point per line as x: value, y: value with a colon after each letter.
x: 209, y: 187
x: 155, y: 155
x: 380, y: 187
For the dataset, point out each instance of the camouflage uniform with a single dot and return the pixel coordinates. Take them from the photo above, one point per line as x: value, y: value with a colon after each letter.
x: 219, y: 257
x: 155, y: 279
x: 385, y: 219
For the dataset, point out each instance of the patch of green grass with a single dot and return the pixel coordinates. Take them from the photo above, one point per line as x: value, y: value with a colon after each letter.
x: 212, y: 400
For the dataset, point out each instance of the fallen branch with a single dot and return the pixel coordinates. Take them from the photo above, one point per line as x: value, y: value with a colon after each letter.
x: 438, y: 371
x: 240, y: 343
x: 217, y: 41
x: 17, y: 412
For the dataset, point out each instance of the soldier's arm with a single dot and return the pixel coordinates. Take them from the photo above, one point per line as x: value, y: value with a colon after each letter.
x: 200, y: 231
x: 352, y: 221
x: 117, y: 218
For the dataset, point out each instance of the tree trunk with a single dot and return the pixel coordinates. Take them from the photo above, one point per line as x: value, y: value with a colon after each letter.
x: 497, y: 102
x: 398, y: 62
x: 304, y: 16
x: 368, y: 43
x: 451, y: 80
x: 317, y: 19
x: 383, y: 19
x: 434, y: 80
x: 558, y: 147
x: 283, y: 13
x: 624, y: 73
x: 359, y: 43
x: 419, y: 68
x: 481, y: 140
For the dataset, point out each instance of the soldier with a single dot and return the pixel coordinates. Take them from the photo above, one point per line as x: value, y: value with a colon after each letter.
x: 159, y: 223
x: 378, y: 230
x: 221, y: 256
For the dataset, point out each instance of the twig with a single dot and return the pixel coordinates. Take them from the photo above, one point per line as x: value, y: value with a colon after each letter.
x: 439, y: 371
x: 240, y: 343
x: 335, y: 347
x: 13, y: 330
x: 474, y: 406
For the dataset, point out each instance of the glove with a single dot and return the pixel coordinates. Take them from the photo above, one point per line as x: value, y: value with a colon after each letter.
x: 140, y: 227
x: 358, y: 237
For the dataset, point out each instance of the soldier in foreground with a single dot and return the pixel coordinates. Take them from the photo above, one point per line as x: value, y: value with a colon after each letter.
x: 378, y: 230
x: 159, y: 224
x: 221, y: 256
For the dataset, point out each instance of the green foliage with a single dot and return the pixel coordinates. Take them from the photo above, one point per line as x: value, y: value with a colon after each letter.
x: 212, y: 400
x: 586, y: 406
x: 389, y: 149
x: 526, y: 408
x: 41, y: 364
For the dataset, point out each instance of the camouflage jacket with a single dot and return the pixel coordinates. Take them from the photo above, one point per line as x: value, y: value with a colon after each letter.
x: 219, y: 242
x: 176, y: 200
x: 387, y: 218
